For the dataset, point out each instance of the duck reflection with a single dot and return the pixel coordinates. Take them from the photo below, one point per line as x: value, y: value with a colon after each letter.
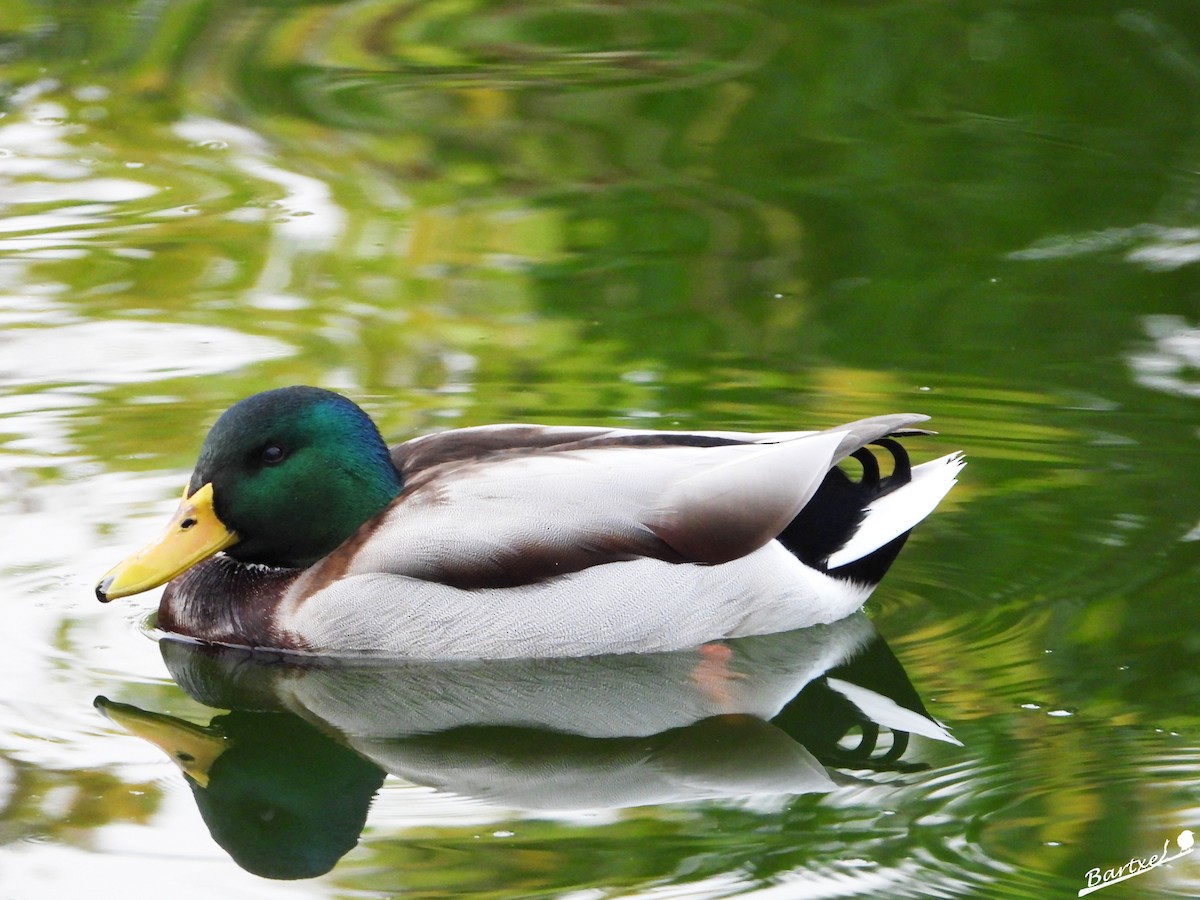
x: 285, y: 779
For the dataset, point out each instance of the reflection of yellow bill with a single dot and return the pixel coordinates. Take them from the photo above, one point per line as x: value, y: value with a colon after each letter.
x: 194, y: 748
x: 195, y: 533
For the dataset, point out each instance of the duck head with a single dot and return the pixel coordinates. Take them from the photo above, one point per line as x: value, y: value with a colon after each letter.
x: 283, y: 478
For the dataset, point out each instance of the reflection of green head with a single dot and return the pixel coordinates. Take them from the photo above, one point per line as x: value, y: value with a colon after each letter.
x: 284, y: 800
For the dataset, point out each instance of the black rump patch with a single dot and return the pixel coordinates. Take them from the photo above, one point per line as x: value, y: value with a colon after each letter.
x: 837, y: 510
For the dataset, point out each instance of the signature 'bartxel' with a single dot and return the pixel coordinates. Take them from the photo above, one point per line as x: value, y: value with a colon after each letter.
x: 1138, y: 865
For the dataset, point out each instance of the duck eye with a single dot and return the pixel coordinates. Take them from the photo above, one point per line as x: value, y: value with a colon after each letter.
x: 271, y: 454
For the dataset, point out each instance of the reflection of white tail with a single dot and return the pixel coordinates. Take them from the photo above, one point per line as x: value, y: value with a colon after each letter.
x: 1185, y: 840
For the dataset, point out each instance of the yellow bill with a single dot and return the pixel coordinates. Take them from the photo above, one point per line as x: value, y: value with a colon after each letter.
x: 195, y: 533
x: 194, y: 748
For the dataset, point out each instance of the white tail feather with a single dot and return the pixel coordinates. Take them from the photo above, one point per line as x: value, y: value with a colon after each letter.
x: 891, y: 515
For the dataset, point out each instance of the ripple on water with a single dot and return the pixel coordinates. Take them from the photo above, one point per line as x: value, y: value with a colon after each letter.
x: 1051, y: 786
x: 124, y: 351
x: 1004, y: 644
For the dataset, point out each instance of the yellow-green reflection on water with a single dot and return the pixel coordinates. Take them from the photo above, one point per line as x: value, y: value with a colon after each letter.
x: 729, y: 215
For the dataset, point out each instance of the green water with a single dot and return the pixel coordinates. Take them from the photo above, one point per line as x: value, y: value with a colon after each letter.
x: 741, y: 215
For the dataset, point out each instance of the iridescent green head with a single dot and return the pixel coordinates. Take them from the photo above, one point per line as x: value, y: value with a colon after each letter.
x: 283, y: 478
x: 294, y: 472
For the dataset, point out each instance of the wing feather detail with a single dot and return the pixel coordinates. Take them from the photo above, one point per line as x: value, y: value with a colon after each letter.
x: 734, y: 507
x: 499, y: 506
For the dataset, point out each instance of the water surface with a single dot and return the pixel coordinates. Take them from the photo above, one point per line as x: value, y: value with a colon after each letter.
x: 722, y: 215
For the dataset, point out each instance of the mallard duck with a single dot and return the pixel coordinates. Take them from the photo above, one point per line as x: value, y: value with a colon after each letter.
x: 300, y: 530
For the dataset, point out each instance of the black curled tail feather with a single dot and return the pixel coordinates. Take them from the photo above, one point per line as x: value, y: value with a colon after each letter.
x: 838, y: 508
